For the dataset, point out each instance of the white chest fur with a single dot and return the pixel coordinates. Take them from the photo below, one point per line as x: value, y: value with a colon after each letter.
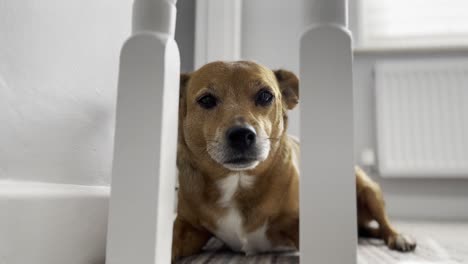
x: 230, y: 228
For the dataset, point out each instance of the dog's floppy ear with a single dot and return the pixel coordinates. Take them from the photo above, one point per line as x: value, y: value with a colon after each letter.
x: 184, y: 78
x: 289, y: 86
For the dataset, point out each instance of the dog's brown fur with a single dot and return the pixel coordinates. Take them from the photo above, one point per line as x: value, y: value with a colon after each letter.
x: 273, y: 198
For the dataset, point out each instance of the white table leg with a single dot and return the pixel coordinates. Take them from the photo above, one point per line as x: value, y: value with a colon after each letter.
x: 144, y: 167
x: 328, y: 230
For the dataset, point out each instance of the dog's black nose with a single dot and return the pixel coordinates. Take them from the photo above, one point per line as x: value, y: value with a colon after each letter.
x: 240, y: 137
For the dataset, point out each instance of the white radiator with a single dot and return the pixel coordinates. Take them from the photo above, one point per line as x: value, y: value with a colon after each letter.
x: 422, y: 118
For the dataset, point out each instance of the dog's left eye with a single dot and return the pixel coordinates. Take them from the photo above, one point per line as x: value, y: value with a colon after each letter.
x: 264, y: 98
x: 208, y: 101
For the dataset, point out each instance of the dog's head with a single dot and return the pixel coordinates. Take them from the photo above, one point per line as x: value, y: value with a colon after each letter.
x: 233, y: 114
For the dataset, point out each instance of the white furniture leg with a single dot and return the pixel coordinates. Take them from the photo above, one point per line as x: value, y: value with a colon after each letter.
x: 144, y: 167
x: 328, y: 230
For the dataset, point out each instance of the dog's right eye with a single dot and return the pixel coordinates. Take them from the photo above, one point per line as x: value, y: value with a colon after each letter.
x: 207, y: 101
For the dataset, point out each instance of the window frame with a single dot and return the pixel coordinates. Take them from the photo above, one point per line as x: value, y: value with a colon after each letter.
x: 363, y: 43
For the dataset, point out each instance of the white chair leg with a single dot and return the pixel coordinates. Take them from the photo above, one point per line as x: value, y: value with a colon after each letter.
x: 328, y: 230
x: 144, y: 167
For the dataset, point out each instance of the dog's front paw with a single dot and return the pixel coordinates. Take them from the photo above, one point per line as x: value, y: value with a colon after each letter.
x: 401, y: 243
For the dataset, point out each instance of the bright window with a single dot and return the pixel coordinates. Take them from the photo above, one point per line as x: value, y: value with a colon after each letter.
x: 413, y: 23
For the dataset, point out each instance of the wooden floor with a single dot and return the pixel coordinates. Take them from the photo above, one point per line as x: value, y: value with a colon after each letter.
x: 438, y: 243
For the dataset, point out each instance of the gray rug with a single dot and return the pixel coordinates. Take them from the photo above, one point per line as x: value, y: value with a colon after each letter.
x: 438, y: 243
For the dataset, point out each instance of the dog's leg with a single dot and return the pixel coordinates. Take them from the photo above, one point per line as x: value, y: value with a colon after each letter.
x: 292, y: 232
x: 187, y: 240
x: 375, y: 206
x: 285, y: 233
x: 371, y: 200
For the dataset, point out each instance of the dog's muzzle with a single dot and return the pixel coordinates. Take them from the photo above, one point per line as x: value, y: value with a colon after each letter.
x: 239, y: 148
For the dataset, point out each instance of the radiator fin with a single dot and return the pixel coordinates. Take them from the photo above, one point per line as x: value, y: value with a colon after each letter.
x: 422, y: 118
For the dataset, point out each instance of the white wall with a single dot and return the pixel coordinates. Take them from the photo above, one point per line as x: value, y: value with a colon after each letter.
x: 58, y: 83
x: 58, y: 75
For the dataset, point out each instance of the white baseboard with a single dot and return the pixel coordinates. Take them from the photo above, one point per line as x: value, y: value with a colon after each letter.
x: 46, y: 223
x: 427, y: 207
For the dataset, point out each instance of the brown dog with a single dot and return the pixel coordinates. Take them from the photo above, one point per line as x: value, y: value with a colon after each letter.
x: 238, y: 168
